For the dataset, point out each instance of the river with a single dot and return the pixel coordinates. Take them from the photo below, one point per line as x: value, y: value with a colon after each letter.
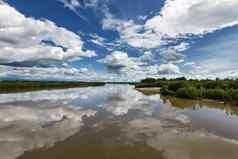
x: 114, y: 122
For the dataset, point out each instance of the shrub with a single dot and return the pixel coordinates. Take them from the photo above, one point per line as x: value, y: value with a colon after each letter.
x: 188, y: 92
x: 165, y: 91
x: 210, y: 85
x: 180, y: 79
x: 234, y: 95
x: 233, y: 85
x: 148, y: 80
x: 174, y: 86
x: 219, y: 94
x: 225, y: 90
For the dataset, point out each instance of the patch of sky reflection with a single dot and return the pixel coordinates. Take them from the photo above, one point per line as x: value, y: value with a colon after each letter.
x: 56, y: 113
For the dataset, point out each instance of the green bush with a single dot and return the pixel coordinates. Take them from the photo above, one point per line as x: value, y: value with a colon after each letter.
x: 148, y: 80
x: 165, y: 91
x: 174, y: 86
x: 234, y: 95
x: 188, y: 92
x: 219, y: 94
x: 225, y: 90
x: 233, y: 84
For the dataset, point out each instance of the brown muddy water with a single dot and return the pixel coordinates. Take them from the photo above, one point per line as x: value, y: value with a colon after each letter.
x: 114, y: 122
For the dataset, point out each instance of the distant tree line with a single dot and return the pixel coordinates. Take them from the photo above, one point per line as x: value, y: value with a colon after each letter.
x: 22, y: 86
x: 224, y: 90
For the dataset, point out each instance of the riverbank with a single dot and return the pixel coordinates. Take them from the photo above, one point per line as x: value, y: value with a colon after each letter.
x: 221, y: 90
x: 25, y: 86
x: 149, y: 90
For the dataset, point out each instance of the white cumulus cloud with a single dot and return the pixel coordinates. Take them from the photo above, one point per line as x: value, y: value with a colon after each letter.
x: 168, y: 69
x: 119, y: 60
x: 22, y: 39
x: 132, y: 33
x: 181, y: 17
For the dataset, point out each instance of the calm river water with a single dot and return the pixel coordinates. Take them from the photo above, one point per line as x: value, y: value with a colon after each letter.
x: 114, y: 122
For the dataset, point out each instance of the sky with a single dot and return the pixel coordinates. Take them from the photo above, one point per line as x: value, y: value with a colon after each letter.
x: 118, y: 40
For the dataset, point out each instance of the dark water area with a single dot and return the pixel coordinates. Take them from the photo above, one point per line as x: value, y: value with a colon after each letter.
x: 114, y: 122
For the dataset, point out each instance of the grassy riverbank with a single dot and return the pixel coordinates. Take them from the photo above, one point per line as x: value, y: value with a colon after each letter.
x: 25, y: 86
x: 223, y: 90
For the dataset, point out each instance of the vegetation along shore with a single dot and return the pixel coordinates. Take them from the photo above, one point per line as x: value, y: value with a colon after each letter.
x: 224, y: 90
x: 25, y: 86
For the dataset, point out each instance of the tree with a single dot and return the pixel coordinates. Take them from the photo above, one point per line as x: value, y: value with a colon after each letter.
x: 148, y: 80
x: 188, y: 92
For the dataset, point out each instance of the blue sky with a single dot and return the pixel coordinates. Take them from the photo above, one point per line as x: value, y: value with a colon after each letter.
x: 118, y: 40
